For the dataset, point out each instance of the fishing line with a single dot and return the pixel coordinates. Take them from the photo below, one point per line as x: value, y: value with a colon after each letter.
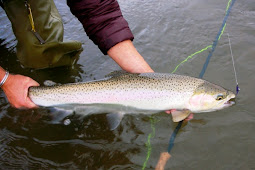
x: 206, y: 48
x: 237, y: 87
x: 148, y: 144
x: 190, y: 57
x: 222, y: 28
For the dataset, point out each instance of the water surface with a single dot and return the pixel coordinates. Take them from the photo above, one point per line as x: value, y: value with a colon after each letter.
x: 166, y: 32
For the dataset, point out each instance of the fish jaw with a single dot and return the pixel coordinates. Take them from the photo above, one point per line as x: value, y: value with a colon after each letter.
x: 206, y: 102
x: 229, y: 101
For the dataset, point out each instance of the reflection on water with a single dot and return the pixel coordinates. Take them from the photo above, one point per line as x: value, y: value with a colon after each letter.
x: 166, y: 33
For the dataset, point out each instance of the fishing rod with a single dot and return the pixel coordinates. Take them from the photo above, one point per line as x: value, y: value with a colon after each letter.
x: 166, y: 155
x: 171, y: 142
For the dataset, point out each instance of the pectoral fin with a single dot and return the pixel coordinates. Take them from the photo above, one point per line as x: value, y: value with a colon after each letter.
x: 114, y: 119
x: 59, y: 114
x: 179, y: 115
x: 49, y: 83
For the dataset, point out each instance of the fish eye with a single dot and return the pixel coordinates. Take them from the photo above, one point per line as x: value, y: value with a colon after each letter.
x: 219, y: 97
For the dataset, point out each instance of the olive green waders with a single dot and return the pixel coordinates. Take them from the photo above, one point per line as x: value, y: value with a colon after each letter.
x: 38, y: 28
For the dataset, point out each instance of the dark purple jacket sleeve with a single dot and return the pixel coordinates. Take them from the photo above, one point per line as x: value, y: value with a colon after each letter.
x: 102, y: 21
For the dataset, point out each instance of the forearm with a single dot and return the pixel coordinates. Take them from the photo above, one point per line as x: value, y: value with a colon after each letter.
x: 110, y: 32
x: 128, y: 58
x: 102, y: 21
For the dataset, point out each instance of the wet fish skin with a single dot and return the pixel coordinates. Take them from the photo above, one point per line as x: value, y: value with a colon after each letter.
x: 145, y: 91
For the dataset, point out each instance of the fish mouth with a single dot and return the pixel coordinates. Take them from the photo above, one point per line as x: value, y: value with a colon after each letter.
x: 231, y: 100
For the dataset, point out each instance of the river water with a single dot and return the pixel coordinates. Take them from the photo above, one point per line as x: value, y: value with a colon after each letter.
x: 166, y: 32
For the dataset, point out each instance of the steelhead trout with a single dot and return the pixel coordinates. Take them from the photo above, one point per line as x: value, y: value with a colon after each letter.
x: 143, y: 92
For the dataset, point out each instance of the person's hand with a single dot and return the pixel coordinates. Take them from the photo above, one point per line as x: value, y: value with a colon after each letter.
x: 16, y: 91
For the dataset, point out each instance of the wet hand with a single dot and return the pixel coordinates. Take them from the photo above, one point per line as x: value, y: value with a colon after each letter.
x: 16, y: 90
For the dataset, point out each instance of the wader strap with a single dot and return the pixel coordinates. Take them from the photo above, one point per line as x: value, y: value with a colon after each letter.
x: 30, y: 16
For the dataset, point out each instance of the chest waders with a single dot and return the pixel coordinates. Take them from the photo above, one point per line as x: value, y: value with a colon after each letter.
x: 38, y: 28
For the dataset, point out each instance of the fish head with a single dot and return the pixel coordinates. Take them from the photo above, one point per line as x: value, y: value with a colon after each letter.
x: 210, y: 97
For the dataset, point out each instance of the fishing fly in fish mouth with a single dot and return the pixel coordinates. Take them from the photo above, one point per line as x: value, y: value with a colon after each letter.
x: 142, y: 93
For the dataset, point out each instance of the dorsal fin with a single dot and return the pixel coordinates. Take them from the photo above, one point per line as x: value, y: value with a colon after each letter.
x: 49, y: 83
x: 117, y: 73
